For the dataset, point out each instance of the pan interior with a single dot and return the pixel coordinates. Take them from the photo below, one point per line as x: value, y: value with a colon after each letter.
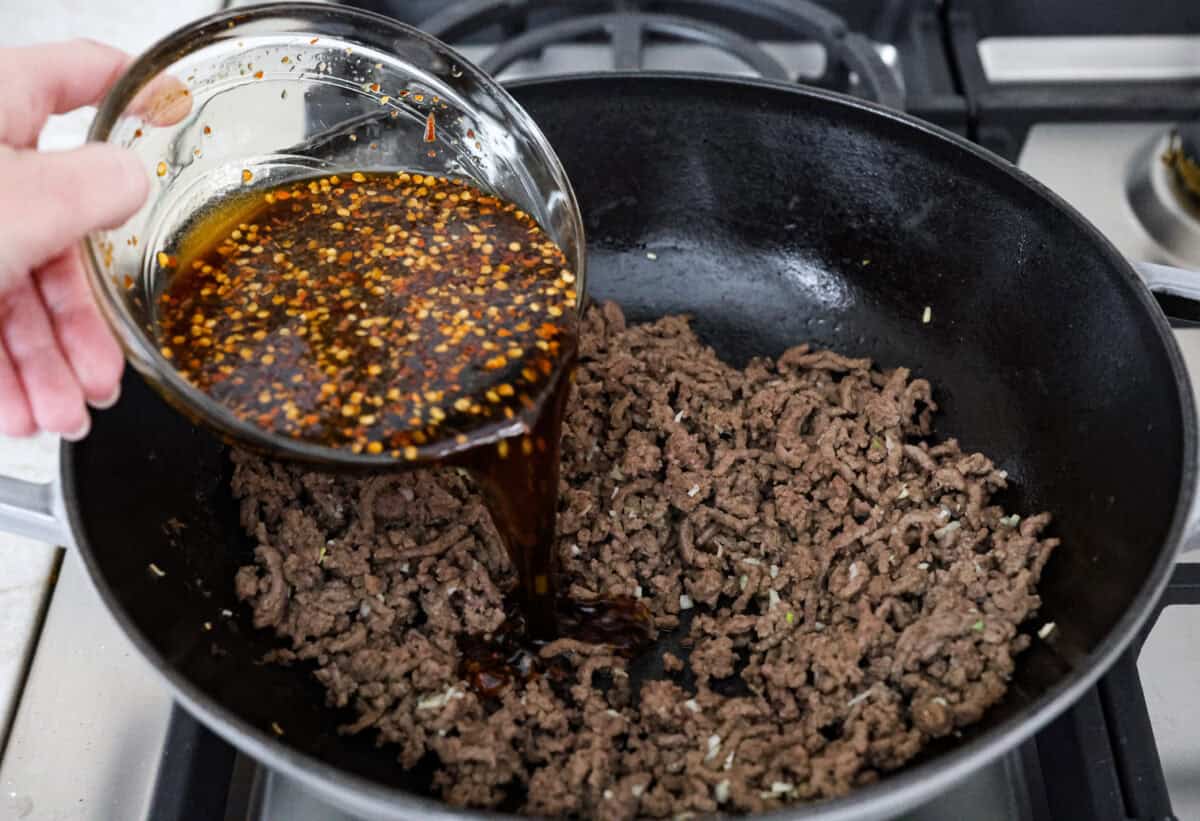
x: 773, y: 216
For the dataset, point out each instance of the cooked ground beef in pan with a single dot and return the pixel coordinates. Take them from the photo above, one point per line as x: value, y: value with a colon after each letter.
x: 845, y: 590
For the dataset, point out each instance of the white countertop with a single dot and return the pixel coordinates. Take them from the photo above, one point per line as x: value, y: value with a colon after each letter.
x: 25, y: 570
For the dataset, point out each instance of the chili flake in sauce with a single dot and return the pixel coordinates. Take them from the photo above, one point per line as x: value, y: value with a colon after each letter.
x: 375, y: 312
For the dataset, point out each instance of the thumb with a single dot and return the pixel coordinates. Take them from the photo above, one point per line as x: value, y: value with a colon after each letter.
x: 52, y: 199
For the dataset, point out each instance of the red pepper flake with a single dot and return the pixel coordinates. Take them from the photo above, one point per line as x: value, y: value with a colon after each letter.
x: 313, y: 41
x: 313, y: 331
x: 258, y: 75
x: 137, y: 133
x: 430, y: 128
x: 207, y: 130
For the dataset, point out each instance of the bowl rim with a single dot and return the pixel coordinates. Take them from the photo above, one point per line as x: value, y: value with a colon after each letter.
x: 144, y: 355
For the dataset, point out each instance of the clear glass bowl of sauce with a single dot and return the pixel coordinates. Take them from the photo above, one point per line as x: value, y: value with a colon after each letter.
x: 284, y: 92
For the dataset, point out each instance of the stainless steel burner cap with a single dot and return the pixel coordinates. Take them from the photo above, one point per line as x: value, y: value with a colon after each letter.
x: 1161, y: 198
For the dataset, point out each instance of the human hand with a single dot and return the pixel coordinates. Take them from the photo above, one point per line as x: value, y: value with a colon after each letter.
x: 57, y: 355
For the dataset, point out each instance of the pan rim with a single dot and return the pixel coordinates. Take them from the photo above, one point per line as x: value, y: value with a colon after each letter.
x: 894, y: 793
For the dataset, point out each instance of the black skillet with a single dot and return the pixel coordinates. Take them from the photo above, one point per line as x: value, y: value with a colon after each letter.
x: 773, y: 214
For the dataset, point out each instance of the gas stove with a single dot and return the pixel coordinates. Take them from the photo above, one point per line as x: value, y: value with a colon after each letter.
x: 1088, y: 100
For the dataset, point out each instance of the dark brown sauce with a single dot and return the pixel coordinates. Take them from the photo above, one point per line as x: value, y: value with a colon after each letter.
x: 521, y: 490
x: 408, y: 315
x: 381, y: 313
x: 522, y: 495
x: 490, y: 664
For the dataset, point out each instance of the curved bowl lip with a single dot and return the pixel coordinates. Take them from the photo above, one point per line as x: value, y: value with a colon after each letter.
x: 146, y: 358
x: 896, y: 792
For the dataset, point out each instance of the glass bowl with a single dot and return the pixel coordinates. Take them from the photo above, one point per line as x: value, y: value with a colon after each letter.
x: 263, y: 96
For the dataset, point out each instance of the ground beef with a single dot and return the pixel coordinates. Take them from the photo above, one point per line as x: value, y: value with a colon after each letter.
x: 844, y: 590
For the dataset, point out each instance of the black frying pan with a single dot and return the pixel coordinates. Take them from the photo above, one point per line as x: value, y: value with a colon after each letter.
x: 761, y: 203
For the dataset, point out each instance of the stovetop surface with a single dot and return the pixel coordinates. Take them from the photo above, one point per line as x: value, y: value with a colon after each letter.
x: 1081, y: 101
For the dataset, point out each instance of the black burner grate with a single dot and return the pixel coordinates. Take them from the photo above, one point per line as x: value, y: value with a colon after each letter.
x: 527, y: 26
x: 917, y: 75
x: 1000, y: 115
x: 628, y: 32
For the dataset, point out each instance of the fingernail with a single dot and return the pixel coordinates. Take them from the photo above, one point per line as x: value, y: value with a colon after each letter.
x: 83, y: 431
x: 105, y: 404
